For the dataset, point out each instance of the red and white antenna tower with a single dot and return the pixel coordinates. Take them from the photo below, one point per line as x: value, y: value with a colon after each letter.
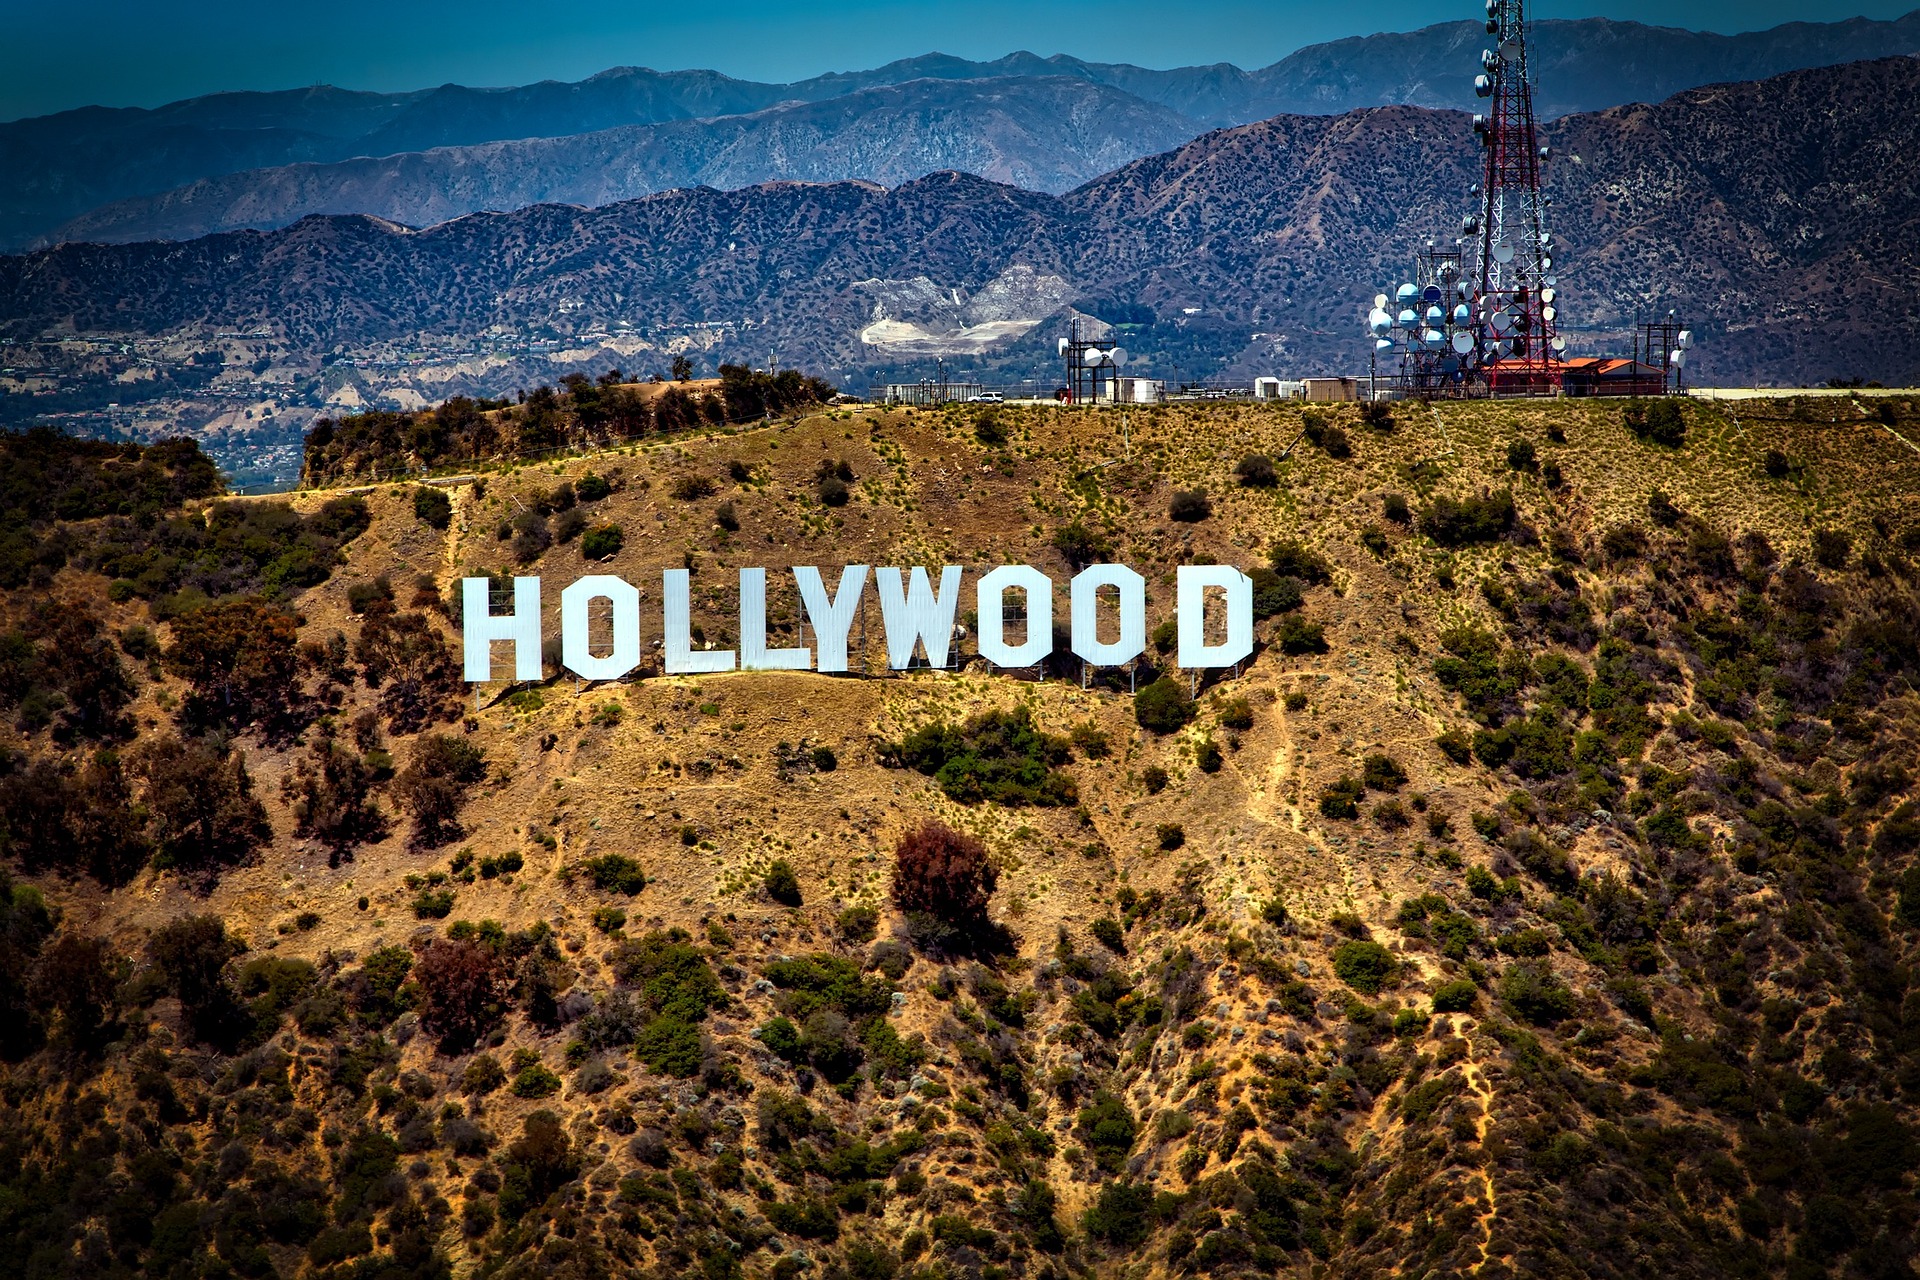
x: 1515, y: 319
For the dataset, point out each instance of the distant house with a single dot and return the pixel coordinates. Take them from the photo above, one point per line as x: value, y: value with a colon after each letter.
x: 1611, y: 376
x: 1329, y: 390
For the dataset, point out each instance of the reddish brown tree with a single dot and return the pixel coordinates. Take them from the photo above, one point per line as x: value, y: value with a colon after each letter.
x: 242, y: 658
x: 205, y: 815
x: 463, y: 991
x: 944, y: 873
x: 434, y: 785
x: 76, y: 974
x: 404, y: 657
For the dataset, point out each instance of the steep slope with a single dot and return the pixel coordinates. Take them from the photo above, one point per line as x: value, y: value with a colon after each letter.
x: 1040, y: 134
x: 1541, y: 899
x: 1277, y: 233
x: 63, y: 165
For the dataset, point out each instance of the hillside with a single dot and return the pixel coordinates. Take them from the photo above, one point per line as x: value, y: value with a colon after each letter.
x: 63, y: 166
x: 1541, y: 899
x: 1248, y: 250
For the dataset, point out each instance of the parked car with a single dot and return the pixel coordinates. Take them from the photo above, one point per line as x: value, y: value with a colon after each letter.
x: 987, y: 397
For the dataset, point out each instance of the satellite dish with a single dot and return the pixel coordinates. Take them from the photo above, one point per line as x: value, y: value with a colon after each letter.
x: 1684, y: 339
x: 1559, y: 343
x: 1510, y: 49
x: 1550, y: 280
x: 1383, y: 345
x: 1483, y: 86
x: 1546, y: 295
x: 1408, y: 319
x: 1063, y: 346
x: 1407, y: 292
x: 1463, y: 342
x: 1436, y: 316
x: 1503, y: 254
x: 1501, y: 321
x: 1545, y: 239
x: 1379, y: 300
x: 1461, y: 314
x: 1548, y: 314
x: 1678, y: 360
x: 1546, y: 264
x: 1431, y: 293
x: 1119, y: 356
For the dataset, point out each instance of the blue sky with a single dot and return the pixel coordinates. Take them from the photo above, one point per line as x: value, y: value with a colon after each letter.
x: 144, y: 52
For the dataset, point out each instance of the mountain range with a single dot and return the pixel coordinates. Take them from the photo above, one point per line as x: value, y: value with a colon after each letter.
x: 1778, y: 214
x: 267, y: 159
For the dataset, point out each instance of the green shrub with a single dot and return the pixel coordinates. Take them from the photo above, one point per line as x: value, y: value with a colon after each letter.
x: 1458, y: 522
x: 1298, y: 636
x: 1206, y: 756
x: 1531, y: 989
x: 1341, y: 799
x: 1273, y: 594
x: 483, y: 1075
x: 782, y: 884
x: 808, y: 1217
x: 601, y: 541
x: 535, y: 1081
x: 617, y: 873
x: 1522, y: 456
x: 1661, y: 421
x: 1363, y: 965
x: 1292, y: 558
x: 1163, y: 707
x: 1107, y: 1128
x: 433, y: 904
x: 1121, y: 1215
x: 1154, y: 779
x: 591, y: 487
x: 1080, y: 546
x: 998, y: 756
x: 1256, y: 471
x: 1457, y: 996
x: 1170, y: 836
x: 1382, y: 773
x: 859, y: 923
x: 1189, y: 506
x: 609, y: 919
x: 1108, y: 932
x: 1236, y: 713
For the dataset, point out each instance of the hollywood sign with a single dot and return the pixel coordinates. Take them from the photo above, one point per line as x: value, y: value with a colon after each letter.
x: 915, y: 613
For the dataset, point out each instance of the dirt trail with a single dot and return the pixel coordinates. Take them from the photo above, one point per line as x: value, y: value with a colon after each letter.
x: 1470, y: 1071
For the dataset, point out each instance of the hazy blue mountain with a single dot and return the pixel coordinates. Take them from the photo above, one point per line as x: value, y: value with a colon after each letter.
x: 1750, y: 205
x: 1042, y: 134
x: 60, y: 166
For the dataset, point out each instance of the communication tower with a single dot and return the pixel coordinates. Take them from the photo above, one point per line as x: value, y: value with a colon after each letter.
x: 1664, y: 344
x: 1482, y: 317
x: 1086, y: 359
x: 1516, y: 316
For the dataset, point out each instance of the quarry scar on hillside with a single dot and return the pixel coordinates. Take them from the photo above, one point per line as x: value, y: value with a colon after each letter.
x: 915, y: 615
